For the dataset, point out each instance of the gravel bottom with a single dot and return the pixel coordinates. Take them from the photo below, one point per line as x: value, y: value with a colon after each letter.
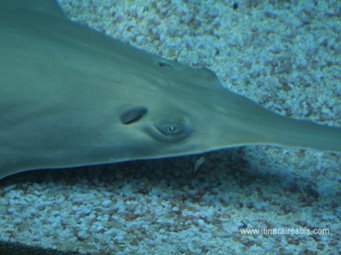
x: 285, y: 55
x: 167, y: 207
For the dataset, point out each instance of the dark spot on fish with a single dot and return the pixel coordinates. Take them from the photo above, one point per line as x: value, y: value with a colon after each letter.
x: 133, y: 115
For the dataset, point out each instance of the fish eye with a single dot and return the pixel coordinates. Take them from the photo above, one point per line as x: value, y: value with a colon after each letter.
x: 133, y: 115
x: 171, y: 130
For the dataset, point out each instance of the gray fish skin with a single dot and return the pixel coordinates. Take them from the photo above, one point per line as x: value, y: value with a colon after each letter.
x: 71, y: 96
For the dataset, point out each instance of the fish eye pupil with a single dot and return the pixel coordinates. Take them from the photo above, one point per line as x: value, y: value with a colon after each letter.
x: 172, y: 129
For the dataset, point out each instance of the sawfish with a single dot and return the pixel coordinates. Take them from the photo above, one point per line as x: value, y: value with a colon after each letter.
x: 71, y: 96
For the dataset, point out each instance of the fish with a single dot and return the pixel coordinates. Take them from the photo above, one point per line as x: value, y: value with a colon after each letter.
x: 71, y: 96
